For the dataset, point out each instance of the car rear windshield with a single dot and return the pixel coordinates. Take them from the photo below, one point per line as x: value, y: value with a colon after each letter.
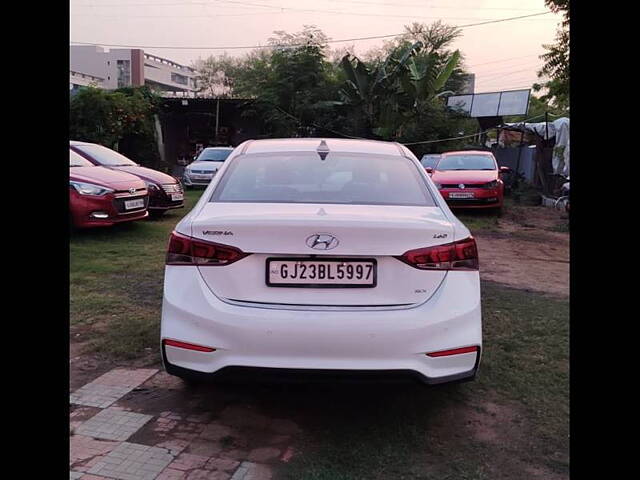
x: 466, y: 162
x: 339, y: 179
x: 77, y: 160
x: 213, y: 155
x: 105, y: 156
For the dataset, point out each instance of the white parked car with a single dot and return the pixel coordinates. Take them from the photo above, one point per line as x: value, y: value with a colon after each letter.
x: 322, y: 255
x: 205, y: 166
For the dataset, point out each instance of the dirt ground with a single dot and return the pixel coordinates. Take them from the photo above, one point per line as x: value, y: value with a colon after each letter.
x: 527, y: 251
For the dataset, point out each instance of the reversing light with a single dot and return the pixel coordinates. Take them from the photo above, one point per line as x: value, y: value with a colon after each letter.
x: 455, y: 351
x: 187, y: 346
x: 460, y: 255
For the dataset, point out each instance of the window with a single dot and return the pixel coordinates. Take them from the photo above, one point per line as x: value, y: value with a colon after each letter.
x: 77, y: 160
x: 124, y: 73
x: 105, y: 156
x: 429, y: 160
x: 339, y: 179
x: 467, y: 162
x: 181, y: 79
x: 215, y: 155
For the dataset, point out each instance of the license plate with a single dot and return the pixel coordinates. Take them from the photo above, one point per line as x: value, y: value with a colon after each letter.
x: 177, y: 196
x: 129, y: 204
x: 200, y: 177
x: 321, y: 273
x: 462, y: 195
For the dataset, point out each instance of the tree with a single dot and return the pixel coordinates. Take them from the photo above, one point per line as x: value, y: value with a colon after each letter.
x: 375, y: 91
x: 291, y: 82
x: 556, y: 67
x: 217, y: 75
x: 122, y: 119
x: 437, y: 39
x: 395, y: 92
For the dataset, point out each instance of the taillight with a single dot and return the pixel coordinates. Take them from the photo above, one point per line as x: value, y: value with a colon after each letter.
x: 185, y: 250
x: 460, y: 255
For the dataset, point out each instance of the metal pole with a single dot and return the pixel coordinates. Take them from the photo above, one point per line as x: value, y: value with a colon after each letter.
x: 546, y: 126
x: 515, y: 181
x: 217, y: 118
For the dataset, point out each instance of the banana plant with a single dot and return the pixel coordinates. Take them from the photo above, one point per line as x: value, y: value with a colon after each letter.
x: 424, y: 82
x: 375, y: 90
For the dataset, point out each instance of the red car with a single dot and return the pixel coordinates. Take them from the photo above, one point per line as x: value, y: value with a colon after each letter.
x: 99, y: 197
x: 469, y: 179
x: 165, y: 191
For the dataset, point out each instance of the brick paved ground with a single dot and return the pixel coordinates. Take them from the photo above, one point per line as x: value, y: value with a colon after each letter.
x: 122, y: 429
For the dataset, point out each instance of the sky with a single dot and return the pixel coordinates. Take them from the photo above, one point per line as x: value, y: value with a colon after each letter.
x: 504, y: 56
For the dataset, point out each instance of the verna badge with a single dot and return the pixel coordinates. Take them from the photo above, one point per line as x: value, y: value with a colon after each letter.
x: 322, y: 241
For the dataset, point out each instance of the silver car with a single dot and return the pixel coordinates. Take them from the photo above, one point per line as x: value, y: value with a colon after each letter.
x: 205, y: 166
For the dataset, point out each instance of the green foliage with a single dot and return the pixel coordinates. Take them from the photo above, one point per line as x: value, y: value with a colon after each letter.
x: 300, y: 88
x: 122, y: 119
x: 555, y: 70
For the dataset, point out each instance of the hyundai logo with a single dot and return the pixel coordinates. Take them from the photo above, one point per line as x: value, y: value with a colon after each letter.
x: 132, y: 191
x: 322, y: 241
x: 461, y: 186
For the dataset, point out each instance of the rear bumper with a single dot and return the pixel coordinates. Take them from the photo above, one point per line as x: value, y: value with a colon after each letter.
x: 291, y: 375
x: 369, y: 342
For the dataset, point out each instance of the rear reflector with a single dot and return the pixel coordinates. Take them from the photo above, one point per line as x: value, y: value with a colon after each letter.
x: 455, y: 351
x: 460, y: 255
x: 184, y: 250
x: 187, y: 346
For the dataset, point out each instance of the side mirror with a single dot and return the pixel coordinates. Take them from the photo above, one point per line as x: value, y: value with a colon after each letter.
x: 505, y: 169
x: 429, y: 170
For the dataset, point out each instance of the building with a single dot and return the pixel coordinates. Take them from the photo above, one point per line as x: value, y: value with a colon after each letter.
x: 124, y: 67
x: 78, y: 80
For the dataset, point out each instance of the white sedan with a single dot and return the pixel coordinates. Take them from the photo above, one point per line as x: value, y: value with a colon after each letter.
x: 205, y: 166
x: 322, y: 256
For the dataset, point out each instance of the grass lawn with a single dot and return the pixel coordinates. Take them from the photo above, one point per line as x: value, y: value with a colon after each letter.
x: 116, y: 283
x: 514, y: 415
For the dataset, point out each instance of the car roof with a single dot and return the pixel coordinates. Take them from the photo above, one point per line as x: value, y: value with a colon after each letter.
x: 334, y: 144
